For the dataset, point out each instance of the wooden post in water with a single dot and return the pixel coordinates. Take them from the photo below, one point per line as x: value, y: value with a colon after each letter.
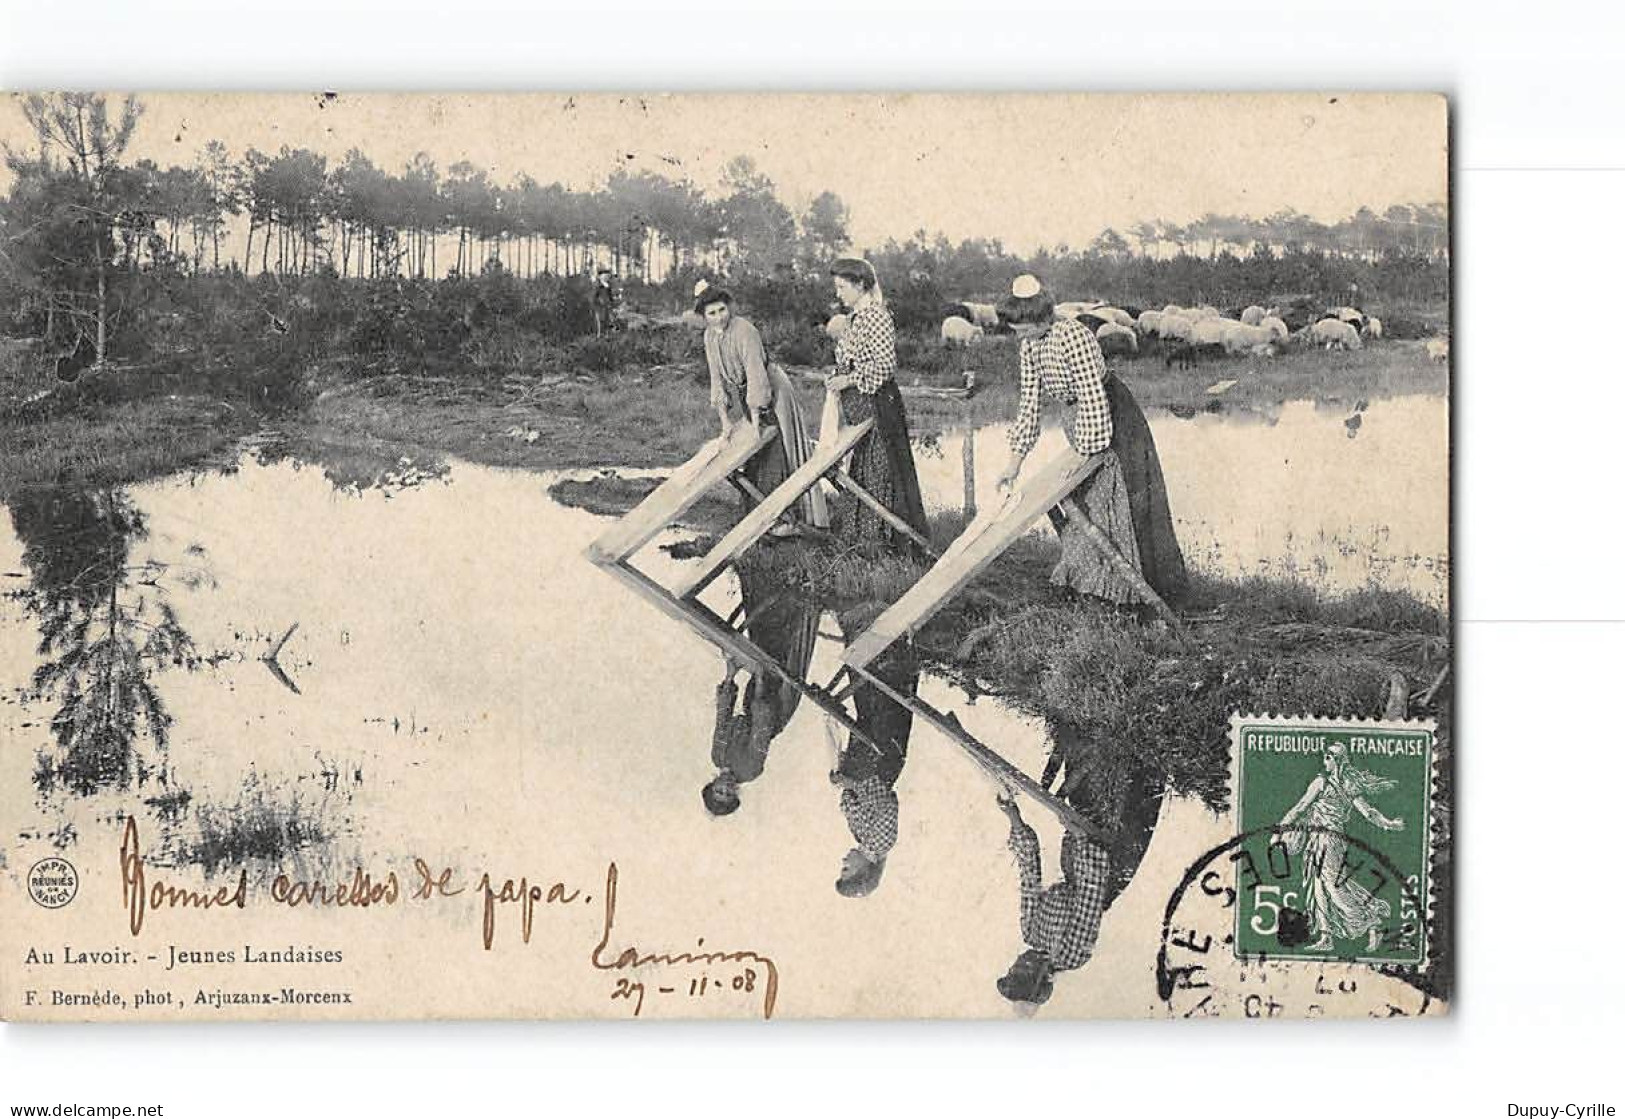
x: 968, y: 458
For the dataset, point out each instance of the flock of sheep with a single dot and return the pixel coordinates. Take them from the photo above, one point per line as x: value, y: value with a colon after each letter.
x: 1188, y: 334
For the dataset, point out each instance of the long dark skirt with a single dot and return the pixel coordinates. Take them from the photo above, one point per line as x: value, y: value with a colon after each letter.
x: 770, y: 467
x: 883, y: 464
x: 1149, y: 522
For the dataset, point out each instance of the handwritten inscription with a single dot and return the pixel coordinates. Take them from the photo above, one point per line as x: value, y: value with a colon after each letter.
x: 687, y: 973
x: 632, y: 958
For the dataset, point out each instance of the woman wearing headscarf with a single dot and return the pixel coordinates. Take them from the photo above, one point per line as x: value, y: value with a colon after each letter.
x: 745, y: 388
x: 865, y: 378
x: 1126, y: 498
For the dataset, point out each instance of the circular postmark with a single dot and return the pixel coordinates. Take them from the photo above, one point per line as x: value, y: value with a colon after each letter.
x: 53, y: 882
x: 1206, y: 969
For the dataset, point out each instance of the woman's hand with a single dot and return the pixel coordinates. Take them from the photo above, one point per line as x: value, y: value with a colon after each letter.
x: 838, y: 383
x: 1007, y: 805
x: 1007, y: 477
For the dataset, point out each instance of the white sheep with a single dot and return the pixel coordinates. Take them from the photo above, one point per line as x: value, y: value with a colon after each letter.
x: 1209, y: 332
x: 1349, y: 315
x: 1334, y: 333
x: 1115, y: 315
x: 1240, y: 337
x: 1175, y: 327
x: 1373, y: 328
x: 1206, y: 311
x: 1438, y: 349
x: 1111, y: 330
x: 984, y: 315
x: 959, y: 332
x: 1150, y: 322
x: 1073, y: 308
x: 1276, y: 326
x: 1173, y: 309
x: 1253, y: 315
x: 837, y: 326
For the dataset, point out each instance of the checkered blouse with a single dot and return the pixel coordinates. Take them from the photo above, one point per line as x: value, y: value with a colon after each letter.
x: 1064, y: 363
x: 870, y: 808
x: 1064, y: 920
x: 867, y: 352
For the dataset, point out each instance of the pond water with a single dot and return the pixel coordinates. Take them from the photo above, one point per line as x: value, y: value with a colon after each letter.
x: 1339, y: 496
x: 461, y: 686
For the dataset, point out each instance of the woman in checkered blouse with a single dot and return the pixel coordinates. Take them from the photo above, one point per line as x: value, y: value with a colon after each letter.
x: 1126, y: 498
x: 865, y: 364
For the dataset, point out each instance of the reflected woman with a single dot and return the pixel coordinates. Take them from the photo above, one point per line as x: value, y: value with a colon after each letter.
x: 745, y: 388
x: 1338, y: 906
x: 865, y: 378
x: 1061, y: 925
x: 867, y: 772
x: 1126, y: 499
x: 785, y: 629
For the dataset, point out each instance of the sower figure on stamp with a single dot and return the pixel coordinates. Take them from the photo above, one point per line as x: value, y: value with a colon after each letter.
x: 1339, y: 906
x: 1126, y: 499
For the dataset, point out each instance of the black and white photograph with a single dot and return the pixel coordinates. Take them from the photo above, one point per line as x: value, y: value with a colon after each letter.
x: 743, y: 556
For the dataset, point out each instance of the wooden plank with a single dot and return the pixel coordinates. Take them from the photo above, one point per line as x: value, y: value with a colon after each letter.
x: 760, y: 519
x: 982, y: 542
x: 850, y: 484
x: 709, y: 627
x: 725, y: 638
x: 713, y: 464
x: 1124, y: 569
x: 985, y: 756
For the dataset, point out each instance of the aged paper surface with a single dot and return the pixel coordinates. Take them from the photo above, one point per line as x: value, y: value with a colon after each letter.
x: 381, y: 637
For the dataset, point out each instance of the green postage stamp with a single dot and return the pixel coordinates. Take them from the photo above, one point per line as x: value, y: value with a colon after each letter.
x: 1335, y: 839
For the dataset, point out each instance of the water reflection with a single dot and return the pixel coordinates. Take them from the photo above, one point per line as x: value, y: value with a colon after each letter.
x: 1107, y: 804
x: 1336, y: 495
x: 867, y: 769
x: 106, y: 626
x: 553, y: 695
x: 1060, y: 924
x: 785, y: 630
x: 352, y: 468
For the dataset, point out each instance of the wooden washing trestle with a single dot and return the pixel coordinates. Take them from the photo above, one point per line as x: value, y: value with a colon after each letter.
x: 699, y: 620
x: 984, y: 540
x: 715, y: 462
x: 988, y: 535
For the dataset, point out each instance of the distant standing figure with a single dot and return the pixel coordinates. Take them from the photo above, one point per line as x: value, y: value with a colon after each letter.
x: 865, y: 378
x: 746, y: 389
x: 1126, y: 497
x: 604, y: 301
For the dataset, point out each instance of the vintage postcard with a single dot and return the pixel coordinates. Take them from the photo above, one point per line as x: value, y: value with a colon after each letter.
x: 725, y: 556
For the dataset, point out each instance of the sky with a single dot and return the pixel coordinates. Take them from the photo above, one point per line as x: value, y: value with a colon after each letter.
x: 1030, y: 170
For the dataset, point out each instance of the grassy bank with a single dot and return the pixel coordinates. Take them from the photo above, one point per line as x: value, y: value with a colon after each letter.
x: 658, y: 415
x: 634, y: 399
